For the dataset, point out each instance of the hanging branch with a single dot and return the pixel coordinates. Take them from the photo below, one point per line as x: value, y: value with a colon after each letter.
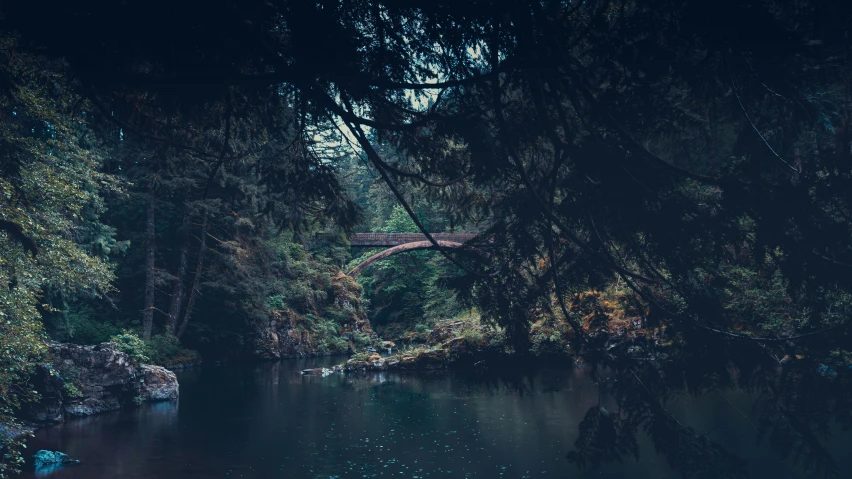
x: 516, y: 161
x: 750, y: 122
x: 578, y: 330
x: 358, y: 132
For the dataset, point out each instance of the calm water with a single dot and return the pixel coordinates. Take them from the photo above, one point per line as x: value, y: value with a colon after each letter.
x: 267, y: 421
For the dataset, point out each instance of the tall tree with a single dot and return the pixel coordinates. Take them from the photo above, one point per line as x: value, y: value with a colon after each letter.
x: 50, y: 187
x: 150, y: 271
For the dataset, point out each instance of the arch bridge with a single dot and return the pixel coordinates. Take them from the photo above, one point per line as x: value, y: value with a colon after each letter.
x: 396, y: 239
x: 402, y: 242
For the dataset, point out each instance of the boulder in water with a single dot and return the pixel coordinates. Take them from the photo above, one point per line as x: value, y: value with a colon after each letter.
x: 158, y: 383
x: 87, y: 380
x: 322, y: 371
x: 47, y: 459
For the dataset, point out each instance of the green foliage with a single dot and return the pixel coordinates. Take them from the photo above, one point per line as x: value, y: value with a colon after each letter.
x: 49, y: 191
x: 841, y: 358
x: 360, y: 356
x: 130, y: 343
x: 275, y: 302
x: 361, y: 340
x: 400, y: 222
x: 663, y: 156
x: 278, y: 282
x: 326, y: 335
x: 407, y: 289
x: 70, y: 390
x: 80, y: 323
x: 762, y: 299
x: 332, y: 249
x: 305, y: 282
x: 549, y: 340
x: 162, y: 348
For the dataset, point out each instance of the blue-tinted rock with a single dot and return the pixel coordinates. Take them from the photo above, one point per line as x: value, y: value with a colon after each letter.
x: 44, y: 459
x: 826, y: 371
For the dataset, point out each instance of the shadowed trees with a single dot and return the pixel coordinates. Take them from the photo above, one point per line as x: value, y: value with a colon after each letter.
x: 694, y: 154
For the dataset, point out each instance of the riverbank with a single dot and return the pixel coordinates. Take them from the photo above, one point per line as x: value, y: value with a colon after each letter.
x: 466, y: 342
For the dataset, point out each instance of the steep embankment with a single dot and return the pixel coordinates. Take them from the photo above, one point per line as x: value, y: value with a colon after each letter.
x: 332, y: 322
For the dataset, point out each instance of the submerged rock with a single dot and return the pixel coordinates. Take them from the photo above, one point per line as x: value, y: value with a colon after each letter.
x: 88, y: 380
x: 322, y: 371
x: 47, y: 459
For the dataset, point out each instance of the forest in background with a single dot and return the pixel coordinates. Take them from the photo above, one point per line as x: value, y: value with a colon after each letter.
x: 668, y: 183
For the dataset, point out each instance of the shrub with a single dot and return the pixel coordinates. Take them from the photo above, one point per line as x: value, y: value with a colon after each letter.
x: 85, y: 330
x: 128, y: 342
x: 473, y: 336
x: 162, y: 348
x: 334, y: 344
x: 362, y: 356
x: 361, y: 340
x: 421, y: 328
x: 326, y: 333
x: 70, y: 390
x: 548, y: 342
x: 79, y: 323
x: 276, y: 302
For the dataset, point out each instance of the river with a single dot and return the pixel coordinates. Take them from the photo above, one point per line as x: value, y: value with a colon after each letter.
x: 268, y: 421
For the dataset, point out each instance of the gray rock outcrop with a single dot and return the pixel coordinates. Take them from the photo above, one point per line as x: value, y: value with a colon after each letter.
x: 87, y: 380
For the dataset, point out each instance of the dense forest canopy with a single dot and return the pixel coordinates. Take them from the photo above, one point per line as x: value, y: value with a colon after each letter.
x: 683, y: 163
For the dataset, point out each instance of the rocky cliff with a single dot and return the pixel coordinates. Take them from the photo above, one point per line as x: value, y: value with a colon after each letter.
x: 335, y: 325
x: 87, y: 380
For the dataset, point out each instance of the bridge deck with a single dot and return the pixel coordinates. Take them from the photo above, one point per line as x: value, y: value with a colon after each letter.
x: 396, y: 239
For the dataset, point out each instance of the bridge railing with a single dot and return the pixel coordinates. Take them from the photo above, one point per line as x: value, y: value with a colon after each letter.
x: 395, y: 239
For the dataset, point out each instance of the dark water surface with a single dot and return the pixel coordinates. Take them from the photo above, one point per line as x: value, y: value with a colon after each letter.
x: 267, y: 421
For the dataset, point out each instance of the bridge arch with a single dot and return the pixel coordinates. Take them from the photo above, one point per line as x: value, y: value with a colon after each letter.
x: 413, y: 246
x: 395, y: 239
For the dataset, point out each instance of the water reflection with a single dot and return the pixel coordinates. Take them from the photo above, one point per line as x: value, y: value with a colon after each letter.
x: 269, y: 421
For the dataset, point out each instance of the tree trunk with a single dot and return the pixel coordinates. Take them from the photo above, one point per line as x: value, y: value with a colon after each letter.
x: 193, y: 293
x: 150, y: 279
x: 177, y: 282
